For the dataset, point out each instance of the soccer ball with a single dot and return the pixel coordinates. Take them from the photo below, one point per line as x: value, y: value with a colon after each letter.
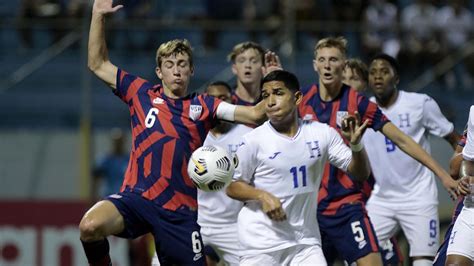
x: 211, y: 168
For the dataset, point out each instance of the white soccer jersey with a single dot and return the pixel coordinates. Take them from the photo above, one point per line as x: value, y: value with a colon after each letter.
x: 468, y: 154
x: 290, y: 169
x: 468, y: 151
x: 216, y: 208
x: 401, y: 179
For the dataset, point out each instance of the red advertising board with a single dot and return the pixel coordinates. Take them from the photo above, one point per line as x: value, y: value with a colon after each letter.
x: 45, y: 233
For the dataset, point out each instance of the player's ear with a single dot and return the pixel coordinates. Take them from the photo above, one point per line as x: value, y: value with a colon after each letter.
x: 192, y: 71
x: 314, y: 65
x: 158, y: 72
x: 234, y: 69
x: 298, y: 97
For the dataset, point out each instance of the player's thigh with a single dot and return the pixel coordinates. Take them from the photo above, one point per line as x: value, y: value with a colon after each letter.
x: 461, y: 241
x: 383, y: 220
x: 224, y: 240
x: 371, y: 259
x: 421, y: 228
x: 177, y: 239
x: 308, y: 255
x: 458, y: 260
x: 103, y: 218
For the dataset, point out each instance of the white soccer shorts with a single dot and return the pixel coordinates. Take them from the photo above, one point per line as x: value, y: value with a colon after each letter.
x: 461, y: 241
x: 295, y: 255
x: 419, y: 225
x: 224, y: 241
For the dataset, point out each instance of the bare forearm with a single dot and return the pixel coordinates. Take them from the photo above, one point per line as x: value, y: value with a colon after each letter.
x: 98, y: 56
x: 250, y: 114
x: 242, y: 191
x: 359, y: 166
x: 97, y: 48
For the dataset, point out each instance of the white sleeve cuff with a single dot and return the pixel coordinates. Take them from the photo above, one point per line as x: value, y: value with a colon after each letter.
x: 226, y: 111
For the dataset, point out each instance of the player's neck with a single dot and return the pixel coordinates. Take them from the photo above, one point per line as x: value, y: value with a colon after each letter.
x: 289, y: 127
x: 174, y: 94
x: 248, y: 92
x: 329, y: 92
x: 387, y: 101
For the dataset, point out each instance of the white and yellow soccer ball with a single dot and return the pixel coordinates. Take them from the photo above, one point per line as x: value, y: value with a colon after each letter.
x: 211, y: 168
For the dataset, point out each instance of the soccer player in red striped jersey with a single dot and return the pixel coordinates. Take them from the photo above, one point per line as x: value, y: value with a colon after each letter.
x: 247, y: 65
x: 167, y: 124
x: 341, y: 212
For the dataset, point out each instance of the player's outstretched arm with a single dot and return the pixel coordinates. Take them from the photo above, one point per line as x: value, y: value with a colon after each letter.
x: 353, y: 131
x: 242, y: 114
x: 271, y: 205
x: 410, y: 147
x: 98, y: 56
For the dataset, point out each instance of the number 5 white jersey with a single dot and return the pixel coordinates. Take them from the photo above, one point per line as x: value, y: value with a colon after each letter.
x: 290, y: 169
x: 401, y: 179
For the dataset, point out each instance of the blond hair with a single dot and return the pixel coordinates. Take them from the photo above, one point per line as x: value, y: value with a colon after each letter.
x: 332, y: 42
x: 174, y: 47
x: 244, y: 46
x: 356, y: 65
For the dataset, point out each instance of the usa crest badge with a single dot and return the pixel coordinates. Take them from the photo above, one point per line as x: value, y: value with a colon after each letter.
x: 339, y: 116
x: 195, y: 111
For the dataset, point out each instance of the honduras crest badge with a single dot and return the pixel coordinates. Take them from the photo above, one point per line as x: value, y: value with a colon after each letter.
x: 195, y: 111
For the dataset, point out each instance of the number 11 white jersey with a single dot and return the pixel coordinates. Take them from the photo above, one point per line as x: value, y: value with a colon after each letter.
x: 290, y: 169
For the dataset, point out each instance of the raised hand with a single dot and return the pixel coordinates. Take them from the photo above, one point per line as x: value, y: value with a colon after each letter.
x: 272, y: 63
x: 105, y: 7
x: 351, y: 128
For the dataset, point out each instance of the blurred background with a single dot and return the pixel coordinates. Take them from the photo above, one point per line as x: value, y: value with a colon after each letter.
x: 59, y: 124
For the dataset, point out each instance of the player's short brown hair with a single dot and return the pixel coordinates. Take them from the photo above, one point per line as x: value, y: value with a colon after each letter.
x: 244, y: 46
x: 174, y: 47
x: 332, y: 42
x: 356, y: 65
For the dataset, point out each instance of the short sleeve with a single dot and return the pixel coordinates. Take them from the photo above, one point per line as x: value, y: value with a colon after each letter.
x: 468, y: 151
x: 370, y: 111
x: 434, y: 120
x: 247, y: 158
x: 128, y: 85
x: 211, y: 103
x: 339, y: 154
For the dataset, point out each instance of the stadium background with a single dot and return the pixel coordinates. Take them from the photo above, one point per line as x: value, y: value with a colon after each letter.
x: 55, y: 116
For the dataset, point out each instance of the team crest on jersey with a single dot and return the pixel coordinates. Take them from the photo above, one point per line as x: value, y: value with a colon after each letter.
x: 158, y: 100
x: 339, y: 116
x: 308, y: 117
x: 195, y: 111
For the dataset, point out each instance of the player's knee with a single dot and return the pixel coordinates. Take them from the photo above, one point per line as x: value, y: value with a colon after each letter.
x: 90, y: 229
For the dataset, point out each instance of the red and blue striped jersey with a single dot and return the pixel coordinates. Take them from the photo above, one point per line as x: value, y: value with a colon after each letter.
x: 238, y: 101
x: 337, y: 187
x: 165, y: 132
